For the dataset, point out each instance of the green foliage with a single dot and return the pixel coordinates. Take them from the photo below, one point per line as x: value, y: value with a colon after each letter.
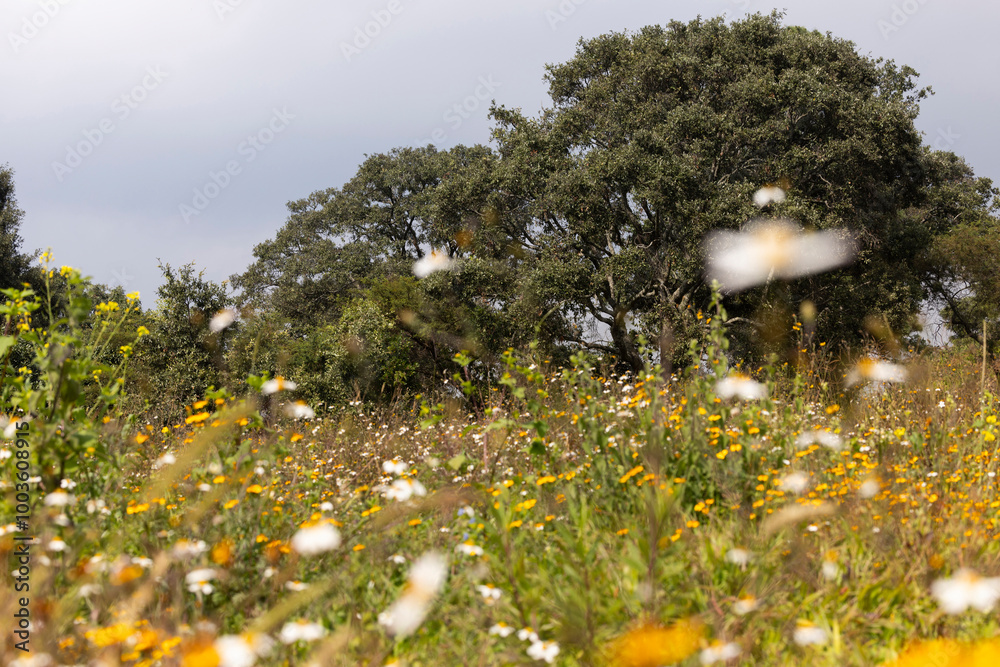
x: 181, y: 357
x: 589, y: 219
x: 68, y: 389
x: 656, y: 138
x: 362, y: 356
x: 15, y: 267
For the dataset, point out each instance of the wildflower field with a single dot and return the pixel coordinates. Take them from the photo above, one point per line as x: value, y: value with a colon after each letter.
x: 639, y: 380
x: 807, y: 513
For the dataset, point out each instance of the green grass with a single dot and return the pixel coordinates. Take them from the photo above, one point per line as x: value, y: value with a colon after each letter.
x: 600, y: 512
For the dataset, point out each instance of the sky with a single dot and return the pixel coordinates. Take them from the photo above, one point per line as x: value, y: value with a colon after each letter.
x: 176, y: 131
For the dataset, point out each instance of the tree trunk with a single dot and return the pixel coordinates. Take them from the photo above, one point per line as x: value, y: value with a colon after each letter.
x: 625, y: 345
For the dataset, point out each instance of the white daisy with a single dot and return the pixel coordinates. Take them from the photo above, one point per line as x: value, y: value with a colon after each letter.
x: 9, y: 425
x: 820, y: 437
x: 739, y: 557
x: 404, y: 489
x: 316, y: 539
x: 489, y: 592
x: 167, y: 459
x: 546, y: 651
x: 502, y: 629
x: 767, y: 195
x: 745, y: 605
x: 719, y: 652
x: 806, y: 633
x: 869, y: 488
x: 966, y: 589
x: 301, y: 631
x: 527, y: 635
x: 221, y: 320
x: 741, y: 386
x: 469, y: 549
x: 186, y: 549
x: 426, y: 578
x: 299, y: 410
x: 198, y: 580
x: 797, y: 482
x: 277, y: 384
x: 97, y: 505
x: 431, y: 262
x: 58, y: 499
x: 394, y: 467
x: 873, y: 370
x: 773, y: 249
x: 241, y: 650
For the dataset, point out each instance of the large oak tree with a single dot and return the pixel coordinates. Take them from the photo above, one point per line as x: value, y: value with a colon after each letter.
x: 655, y: 138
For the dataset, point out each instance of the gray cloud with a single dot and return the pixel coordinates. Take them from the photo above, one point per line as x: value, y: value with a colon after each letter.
x: 232, y: 62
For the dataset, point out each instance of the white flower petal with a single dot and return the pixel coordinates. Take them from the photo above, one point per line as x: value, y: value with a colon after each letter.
x: 316, y: 539
x: 221, y: 320
x: 431, y: 262
x: 767, y: 195
x: 773, y: 249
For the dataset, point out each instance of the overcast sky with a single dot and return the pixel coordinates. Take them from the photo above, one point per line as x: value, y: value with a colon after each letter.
x: 116, y: 114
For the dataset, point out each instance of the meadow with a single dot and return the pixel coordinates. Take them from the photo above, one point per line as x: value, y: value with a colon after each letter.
x: 811, y: 511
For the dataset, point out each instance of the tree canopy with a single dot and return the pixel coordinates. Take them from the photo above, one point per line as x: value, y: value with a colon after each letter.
x: 656, y: 138
x: 587, y: 221
x: 15, y: 266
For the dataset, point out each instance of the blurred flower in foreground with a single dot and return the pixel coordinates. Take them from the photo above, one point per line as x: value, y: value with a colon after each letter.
x: 301, y: 631
x: 869, y: 488
x: 489, y: 592
x: 546, y: 651
x: 653, y: 646
x: 739, y: 557
x: 501, y: 629
x: 981, y: 653
x: 221, y: 320
x: 299, y: 410
x: 937, y: 652
x: 277, y: 384
x: 719, y: 652
x: 426, y: 578
x: 796, y: 482
x: 241, y: 650
x: 873, y: 370
x: 58, y: 499
x: 773, y: 249
x: 9, y: 425
x: 185, y: 549
x: 807, y: 633
x: 820, y: 437
x: 394, y: 467
x: 745, y: 605
x: 312, y: 540
x: 197, y: 581
x: 767, y: 195
x: 431, y: 262
x: 966, y: 589
x: 404, y: 489
x: 830, y: 567
x: 741, y: 386
x: 167, y: 459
